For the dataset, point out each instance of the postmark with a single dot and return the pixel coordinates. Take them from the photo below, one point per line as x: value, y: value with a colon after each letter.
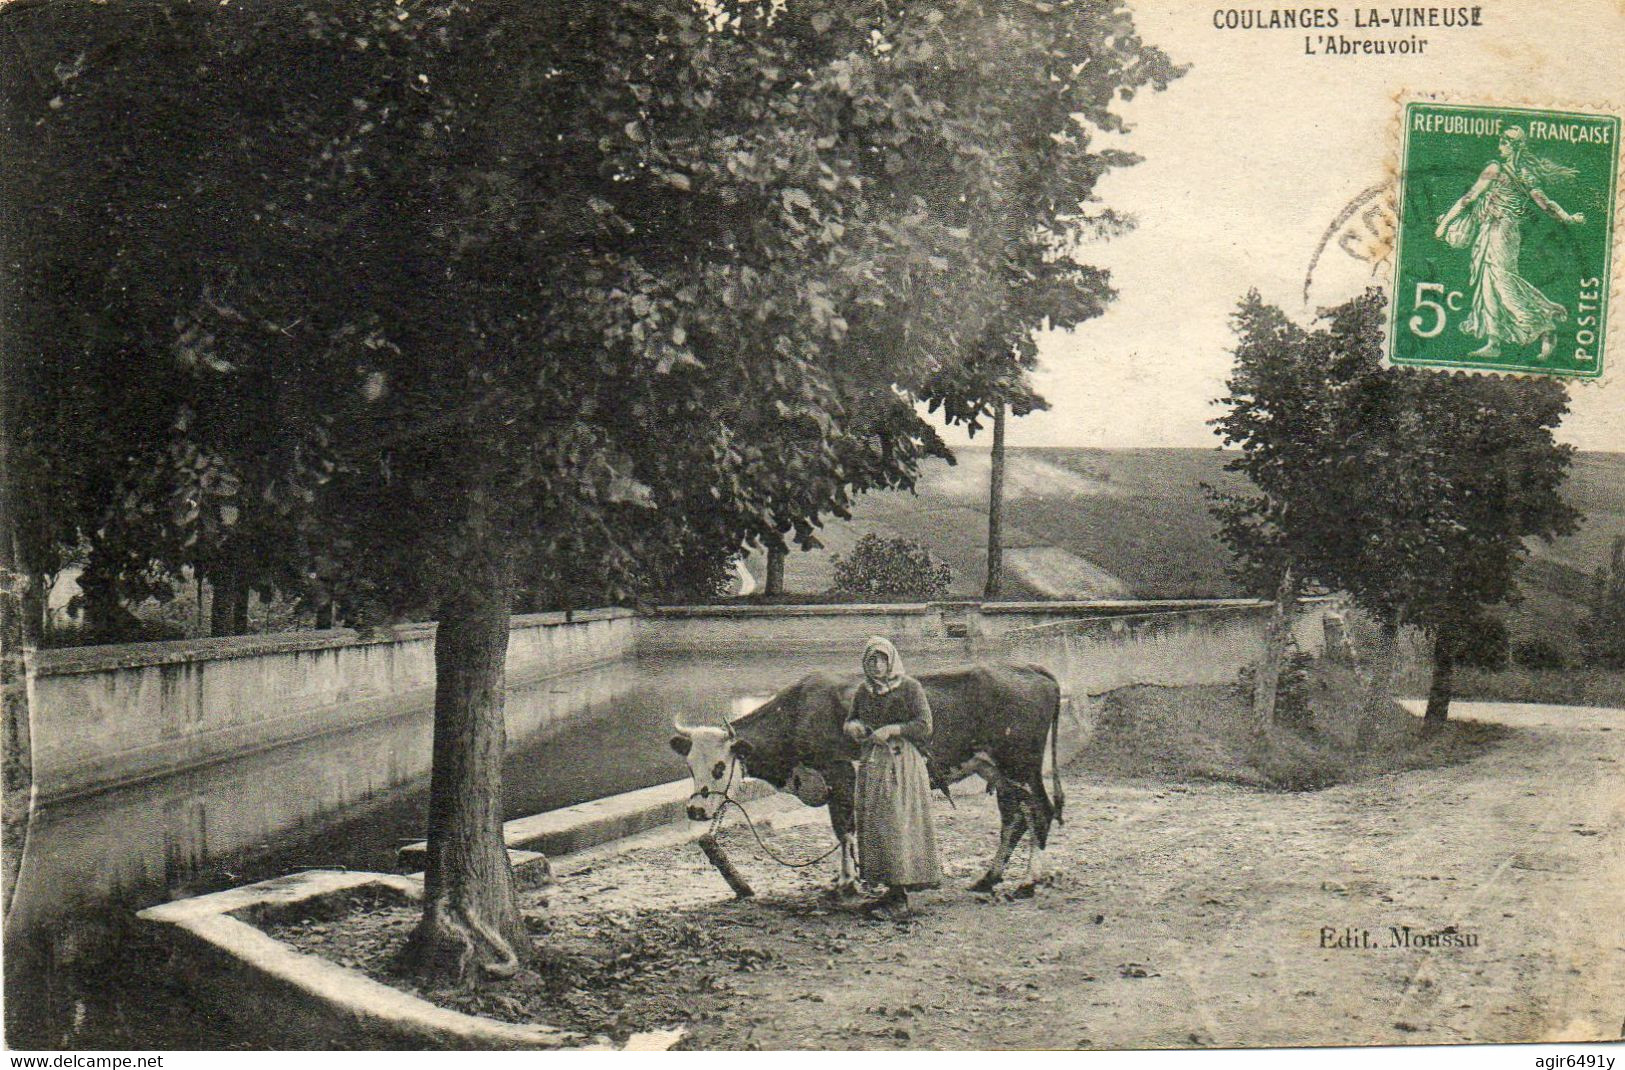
x: 1505, y: 239
x: 1363, y: 231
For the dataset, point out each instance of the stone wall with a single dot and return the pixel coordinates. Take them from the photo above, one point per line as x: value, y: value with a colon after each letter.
x: 108, y: 716
x: 223, y: 744
x: 1170, y: 649
x: 972, y: 626
x: 105, y: 717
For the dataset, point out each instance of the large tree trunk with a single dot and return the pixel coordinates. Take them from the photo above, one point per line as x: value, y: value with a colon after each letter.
x: 471, y: 927
x: 1267, y: 680
x: 16, y: 745
x: 995, y: 510
x: 1444, y: 671
x: 775, y: 571
x: 17, y: 760
x: 36, y: 592
x: 1384, y: 664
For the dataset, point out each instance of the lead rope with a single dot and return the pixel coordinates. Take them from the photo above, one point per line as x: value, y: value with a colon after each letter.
x: 728, y: 800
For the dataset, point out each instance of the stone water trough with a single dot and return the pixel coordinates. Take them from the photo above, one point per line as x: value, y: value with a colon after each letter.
x: 240, y: 969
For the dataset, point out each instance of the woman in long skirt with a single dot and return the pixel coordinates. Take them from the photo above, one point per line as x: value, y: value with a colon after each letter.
x: 1507, y: 309
x: 897, y: 846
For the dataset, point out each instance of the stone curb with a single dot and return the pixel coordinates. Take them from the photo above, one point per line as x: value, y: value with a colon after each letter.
x: 245, y: 972
x: 572, y: 829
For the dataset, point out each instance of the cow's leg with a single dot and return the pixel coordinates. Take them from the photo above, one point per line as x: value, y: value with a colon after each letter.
x: 843, y: 819
x: 1012, y: 825
x: 1041, y: 813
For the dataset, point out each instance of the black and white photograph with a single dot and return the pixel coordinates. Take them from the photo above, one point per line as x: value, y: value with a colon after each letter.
x: 811, y: 525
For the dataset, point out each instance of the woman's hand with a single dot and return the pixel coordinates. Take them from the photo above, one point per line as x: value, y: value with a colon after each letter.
x: 887, y: 732
x: 857, y: 731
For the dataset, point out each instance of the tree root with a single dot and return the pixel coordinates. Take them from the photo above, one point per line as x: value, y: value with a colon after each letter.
x: 466, y: 929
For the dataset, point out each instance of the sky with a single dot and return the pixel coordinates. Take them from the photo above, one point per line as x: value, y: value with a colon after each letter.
x: 1248, y: 159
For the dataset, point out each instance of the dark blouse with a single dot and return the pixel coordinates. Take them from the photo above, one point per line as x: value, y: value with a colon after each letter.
x: 903, y: 705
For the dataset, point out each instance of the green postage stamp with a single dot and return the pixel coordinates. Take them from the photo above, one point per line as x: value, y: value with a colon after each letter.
x: 1505, y: 240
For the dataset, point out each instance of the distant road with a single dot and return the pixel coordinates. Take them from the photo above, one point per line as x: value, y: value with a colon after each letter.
x: 1529, y: 714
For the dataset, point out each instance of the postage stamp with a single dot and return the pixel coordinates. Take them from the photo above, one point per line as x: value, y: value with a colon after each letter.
x: 1505, y: 238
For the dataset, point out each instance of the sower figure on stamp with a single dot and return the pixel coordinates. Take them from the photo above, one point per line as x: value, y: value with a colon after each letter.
x: 897, y: 845
x: 1507, y: 309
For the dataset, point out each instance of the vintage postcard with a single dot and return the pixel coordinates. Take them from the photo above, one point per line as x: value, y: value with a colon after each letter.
x: 862, y: 525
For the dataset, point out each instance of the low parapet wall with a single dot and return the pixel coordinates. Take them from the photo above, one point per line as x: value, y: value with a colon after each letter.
x: 106, y: 717
x: 1170, y: 649
x: 109, y: 716
x: 974, y: 626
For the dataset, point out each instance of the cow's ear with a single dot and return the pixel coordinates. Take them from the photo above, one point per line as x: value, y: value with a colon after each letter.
x: 682, y: 745
x: 742, y: 748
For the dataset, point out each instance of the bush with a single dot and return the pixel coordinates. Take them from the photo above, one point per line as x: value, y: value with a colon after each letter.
x: 1292, y: 708
x: 880, y: 568
x: 1292, y: 692
x: 1539, y: 653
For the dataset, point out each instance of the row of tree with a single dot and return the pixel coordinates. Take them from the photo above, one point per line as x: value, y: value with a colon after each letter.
x: 434, y: 307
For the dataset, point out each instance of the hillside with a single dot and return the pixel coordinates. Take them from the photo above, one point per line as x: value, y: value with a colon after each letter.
x: 1091, y: 523
x: 1079, y: 523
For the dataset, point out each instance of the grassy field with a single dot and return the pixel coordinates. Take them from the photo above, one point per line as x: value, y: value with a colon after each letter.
x: 1087, y: 523
x: 1132, y: 523
x: 1135, y: 523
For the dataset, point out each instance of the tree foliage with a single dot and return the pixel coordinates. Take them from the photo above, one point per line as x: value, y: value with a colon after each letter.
x: 1413, y: 491
x: 424, y: 305
x: 865, y: 205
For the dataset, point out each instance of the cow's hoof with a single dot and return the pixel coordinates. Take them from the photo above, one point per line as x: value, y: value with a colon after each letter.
x: 986, y: 884
x: 1025, y: 891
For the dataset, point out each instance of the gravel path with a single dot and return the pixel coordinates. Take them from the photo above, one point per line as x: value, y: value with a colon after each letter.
x: 1190, y: 915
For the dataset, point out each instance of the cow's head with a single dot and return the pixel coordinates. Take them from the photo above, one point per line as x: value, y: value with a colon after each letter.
x: 713, y: 756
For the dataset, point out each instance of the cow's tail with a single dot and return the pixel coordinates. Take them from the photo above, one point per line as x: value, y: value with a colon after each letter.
x: 1059, y: 801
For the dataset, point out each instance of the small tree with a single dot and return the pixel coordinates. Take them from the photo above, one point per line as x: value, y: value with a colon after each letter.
x: 898, y: 567
x: 1413, y: 491
x: 1602, y: 634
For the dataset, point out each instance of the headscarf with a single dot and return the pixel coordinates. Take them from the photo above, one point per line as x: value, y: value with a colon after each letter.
x: 879, y: 685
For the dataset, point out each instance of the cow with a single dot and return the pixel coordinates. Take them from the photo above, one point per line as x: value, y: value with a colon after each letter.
x: 990, y: 719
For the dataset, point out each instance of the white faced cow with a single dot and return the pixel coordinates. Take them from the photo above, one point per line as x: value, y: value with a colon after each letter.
x: 991, y: 719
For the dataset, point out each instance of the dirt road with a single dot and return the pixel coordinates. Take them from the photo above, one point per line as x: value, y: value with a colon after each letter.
x: 1189, y: 915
